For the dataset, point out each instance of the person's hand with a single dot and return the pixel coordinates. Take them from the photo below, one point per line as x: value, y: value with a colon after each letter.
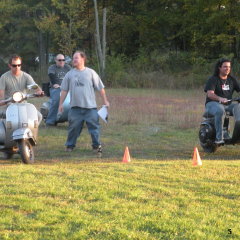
x: 56, y: 86
x: 60, y: 108
x: 223, y: 100
x: 40, y: 92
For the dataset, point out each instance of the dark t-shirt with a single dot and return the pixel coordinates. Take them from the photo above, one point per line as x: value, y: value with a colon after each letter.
x: 56, y: 74
x: 222, y: 88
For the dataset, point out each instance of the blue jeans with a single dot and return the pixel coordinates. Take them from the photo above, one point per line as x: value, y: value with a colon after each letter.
x: 218, y: 111
x: 76, y: 117
x: 53, y: 110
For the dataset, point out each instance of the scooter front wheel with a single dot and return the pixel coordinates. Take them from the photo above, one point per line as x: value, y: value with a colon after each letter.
x: 26, y: 151
x: 209, y: 149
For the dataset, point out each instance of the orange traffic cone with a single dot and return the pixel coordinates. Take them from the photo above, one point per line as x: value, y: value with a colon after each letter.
x: 196, y: 161
x: 126, y: 156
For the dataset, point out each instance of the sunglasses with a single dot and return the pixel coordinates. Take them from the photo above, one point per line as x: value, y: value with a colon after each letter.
x: 61, y: 60
x: 16, y: 65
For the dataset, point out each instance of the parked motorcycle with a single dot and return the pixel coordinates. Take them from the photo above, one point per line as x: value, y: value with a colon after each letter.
x: 207, y: 132
x: 61, y: 117
x: 19, y: 126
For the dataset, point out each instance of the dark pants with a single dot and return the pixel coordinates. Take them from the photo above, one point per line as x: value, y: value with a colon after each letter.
x: 76, y: 117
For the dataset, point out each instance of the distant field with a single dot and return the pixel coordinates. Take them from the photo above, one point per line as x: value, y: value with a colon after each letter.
x: 159, y: 195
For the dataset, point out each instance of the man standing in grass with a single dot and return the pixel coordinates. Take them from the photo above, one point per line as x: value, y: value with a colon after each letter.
x: 219, y: 89
x: 82, y: 82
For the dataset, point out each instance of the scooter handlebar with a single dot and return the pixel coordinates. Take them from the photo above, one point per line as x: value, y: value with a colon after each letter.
x: 5, y: 101
x: 33, y: 95
x: 236, y: 99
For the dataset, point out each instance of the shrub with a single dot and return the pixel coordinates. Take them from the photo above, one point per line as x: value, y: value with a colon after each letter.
x: 161, y: 69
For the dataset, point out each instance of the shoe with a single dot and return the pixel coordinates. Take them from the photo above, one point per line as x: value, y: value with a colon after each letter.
x: 50, y: 125
x: 226, y: 136
x: 68, y: 149
x: 219, y: 142
x: 98, y: 150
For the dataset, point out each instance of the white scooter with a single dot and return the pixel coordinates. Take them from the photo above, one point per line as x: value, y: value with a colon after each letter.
x: 61, y: 117
x: 19, y: 126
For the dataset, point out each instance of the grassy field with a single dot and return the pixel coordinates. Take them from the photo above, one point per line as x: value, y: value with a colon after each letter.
x: 158, y: 195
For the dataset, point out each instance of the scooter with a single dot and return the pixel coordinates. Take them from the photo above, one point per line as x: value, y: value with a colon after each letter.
x: 61, y: 117
x: 19, y: 126
x: 207, y: 132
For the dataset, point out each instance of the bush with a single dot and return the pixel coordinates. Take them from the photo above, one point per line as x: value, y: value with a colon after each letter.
x: 157, y: 70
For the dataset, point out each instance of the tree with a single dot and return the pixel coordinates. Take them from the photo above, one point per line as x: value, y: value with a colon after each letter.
x: 66, y: 24
x: 101, y: 47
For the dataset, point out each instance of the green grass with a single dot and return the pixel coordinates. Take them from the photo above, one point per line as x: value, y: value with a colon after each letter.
x: 158, y: 195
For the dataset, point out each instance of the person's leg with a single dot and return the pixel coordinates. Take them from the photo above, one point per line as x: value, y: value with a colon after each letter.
x: 53, y: 110
x: 76, y: 121
x: 92, y: 121
x: 217, y: 109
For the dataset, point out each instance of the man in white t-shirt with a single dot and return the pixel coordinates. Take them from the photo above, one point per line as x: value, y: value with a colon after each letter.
x: 16, y: 80
x: 82, y: 82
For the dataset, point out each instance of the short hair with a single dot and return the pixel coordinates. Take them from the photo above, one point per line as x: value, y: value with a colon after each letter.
x: 82, y: 54
x: 58, y: 55
x: 219, y: 64
x: 14, y: 57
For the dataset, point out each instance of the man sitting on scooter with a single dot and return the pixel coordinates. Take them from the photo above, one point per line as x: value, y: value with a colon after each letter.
x: 56, y: 73
x: 219, y: 89
x: 16, y: 80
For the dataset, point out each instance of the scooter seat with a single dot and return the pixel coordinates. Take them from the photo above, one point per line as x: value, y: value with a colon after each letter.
x: 207, y: 115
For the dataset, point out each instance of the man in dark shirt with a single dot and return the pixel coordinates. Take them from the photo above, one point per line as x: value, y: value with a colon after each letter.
x: 219, y: 89
x: 56, y: 73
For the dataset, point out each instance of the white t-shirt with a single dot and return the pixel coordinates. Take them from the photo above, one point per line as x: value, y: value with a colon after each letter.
x: 81, y: 85
x: 10, y: 83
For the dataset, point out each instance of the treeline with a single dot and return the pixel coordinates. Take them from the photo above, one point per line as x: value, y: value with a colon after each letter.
x: 146, y: 40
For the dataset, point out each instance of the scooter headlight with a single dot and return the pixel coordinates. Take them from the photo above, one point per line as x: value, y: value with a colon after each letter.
x: 17, y: 97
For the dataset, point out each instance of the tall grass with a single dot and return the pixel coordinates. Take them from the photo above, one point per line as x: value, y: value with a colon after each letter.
x: 144, y: 106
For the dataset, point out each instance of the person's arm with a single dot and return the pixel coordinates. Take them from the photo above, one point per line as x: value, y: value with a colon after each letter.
x: 214, y: 97
x: 39, y: 91
x: 53, y: 80
x: 104, y: 97
x: 52, y: 76
x: 62, y: 98
x: 2, y: 95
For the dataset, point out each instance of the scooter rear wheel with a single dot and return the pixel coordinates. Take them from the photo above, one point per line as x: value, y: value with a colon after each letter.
x: 26, y: 151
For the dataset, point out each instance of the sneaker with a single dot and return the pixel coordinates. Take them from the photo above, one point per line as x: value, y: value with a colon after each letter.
x: 219, y: 142
x: 68, y: 149
x: 226, y: 136
x: 50, y: 125
x: 98, y: 150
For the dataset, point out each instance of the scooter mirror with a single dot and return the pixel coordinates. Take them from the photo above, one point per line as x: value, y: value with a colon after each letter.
x: 32, y: 86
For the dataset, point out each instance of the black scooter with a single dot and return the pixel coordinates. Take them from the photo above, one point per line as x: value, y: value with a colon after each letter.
x: 207, y: 132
